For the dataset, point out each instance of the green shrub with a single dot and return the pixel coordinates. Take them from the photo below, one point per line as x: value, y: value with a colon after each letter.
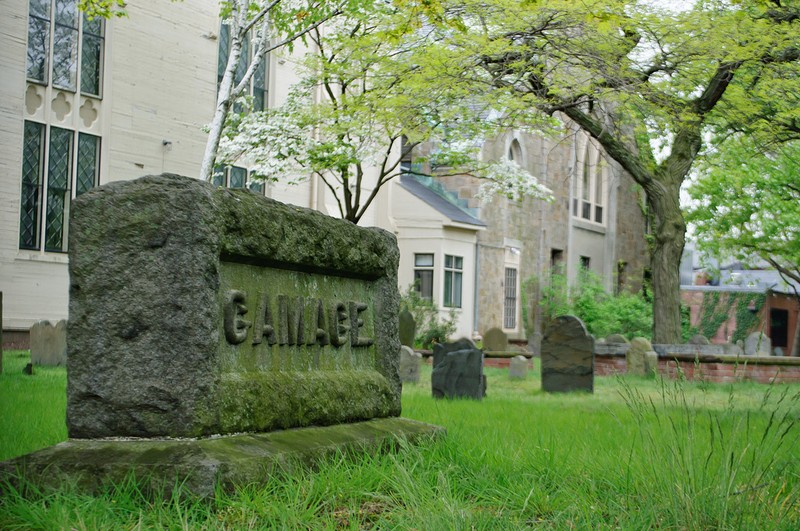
x: 628, y: 314
x: 431, y: 326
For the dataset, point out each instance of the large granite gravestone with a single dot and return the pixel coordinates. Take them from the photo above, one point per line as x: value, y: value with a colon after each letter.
x: 518, y: 368
x: 758, y: 344
x: 635, y: 357
x: 49, y: 343
x: 408, y: 329
x: 567, y: 356
x: 495, y: 340
x: 458, y: 370
x: 199, y: 311
x: 410, y: 362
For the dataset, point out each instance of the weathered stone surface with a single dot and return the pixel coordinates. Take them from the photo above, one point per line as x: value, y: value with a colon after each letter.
x: 196, y: 310
x: 729, y: 349
x: 518, y: 368
x: 635, y: 356
x: 667, y: 350
x: 777, y: 351
x: 650, y: 363
x: 49, y: 343
x: 567, y: 356
x: 617, y: 338
x: 758, y: 344
x: 458, y: 370
x: 408, y: 329
x: 495, y: 340
x: 410, y: 362
x: 699, y: 339
x: 201, y: 464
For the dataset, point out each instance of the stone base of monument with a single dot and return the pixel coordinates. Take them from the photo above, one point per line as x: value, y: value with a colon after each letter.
x: 200, y: 465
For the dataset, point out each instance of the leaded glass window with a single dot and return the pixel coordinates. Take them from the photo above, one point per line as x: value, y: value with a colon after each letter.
x: 259, y: 82
x: 235, y: 177
x: 88, y: 163
x: 38, y: 40
x: 57, y: 37
x: 59, y: 176
x: 92, y: 47
x: 55, y: 167
x: 31, y: 199
x: 65, y: 45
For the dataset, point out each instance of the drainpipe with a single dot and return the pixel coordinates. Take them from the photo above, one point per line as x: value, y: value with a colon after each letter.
x: 573, y: 156
x: 475, y: 302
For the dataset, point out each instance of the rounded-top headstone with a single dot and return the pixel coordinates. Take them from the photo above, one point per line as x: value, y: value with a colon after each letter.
x: 616, y: 338
x: 758, y: 344
x: 699, y: 339
x: 408, y: 329
x: 495, y: 340
x: 635, y: 357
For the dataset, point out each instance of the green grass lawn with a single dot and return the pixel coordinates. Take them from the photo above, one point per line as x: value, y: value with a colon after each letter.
x: 636, y: 454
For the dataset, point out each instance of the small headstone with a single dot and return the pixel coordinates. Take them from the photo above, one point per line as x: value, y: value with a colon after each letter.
x: 518, y: 368
x: 635, y: 356
x: 567, y: 356
x: 28, y: 369
x: 495, y: 340
x: 458, y: 370
x: 410, y: 362
x: 758, y: 344
x: 49, y: 343
x: 777, y: 351
x: 733, y: 350
x: 650, y: 363
x: 616, y: 338
x: 408, y: 329
x: 699, y: 339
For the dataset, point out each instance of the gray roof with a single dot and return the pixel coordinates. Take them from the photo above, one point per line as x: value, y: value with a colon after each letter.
x: 438, y: 202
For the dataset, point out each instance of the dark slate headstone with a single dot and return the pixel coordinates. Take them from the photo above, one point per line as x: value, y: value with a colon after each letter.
x: 197, y: 310
x: 567, y: 356
x: 410, y: 362
x: 49, y: 343
x: 408, y: 329
x: 495, y: 340
x: 458, y: 370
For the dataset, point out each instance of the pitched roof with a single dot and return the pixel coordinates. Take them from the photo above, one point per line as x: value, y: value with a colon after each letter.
x: 439, y: 201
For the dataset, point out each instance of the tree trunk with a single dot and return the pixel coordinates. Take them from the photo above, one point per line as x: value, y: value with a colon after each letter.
x: 670, y: 232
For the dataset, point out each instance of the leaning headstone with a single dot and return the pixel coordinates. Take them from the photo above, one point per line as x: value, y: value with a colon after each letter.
x: 635, y: 357
x: 458, y: 370
x: 199, y: 311
x: 567, y: 356
x: 410, y: 362
x: 650, y: 363
x: 616, y: 338
x: 408, y: 329
x: 518, y: 368
x: 49, y: 343
x: 699, y: 339
x: 495, y: 340
x: 757, y: 344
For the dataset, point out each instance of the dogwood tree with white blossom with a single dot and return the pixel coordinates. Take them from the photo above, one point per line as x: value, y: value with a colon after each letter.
x: 368, y: 95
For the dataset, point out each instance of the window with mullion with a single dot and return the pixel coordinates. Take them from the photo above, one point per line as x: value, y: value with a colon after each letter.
x: 453, y: 273
x: 65, y: 45
x: 88, y: 163
x: 510, y: 300
x: 92, y: 48
x: 423, y: 275
x: 32, y: 185
x: 258, y: 86
x: 38, y: 60
x: 59, y: 178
